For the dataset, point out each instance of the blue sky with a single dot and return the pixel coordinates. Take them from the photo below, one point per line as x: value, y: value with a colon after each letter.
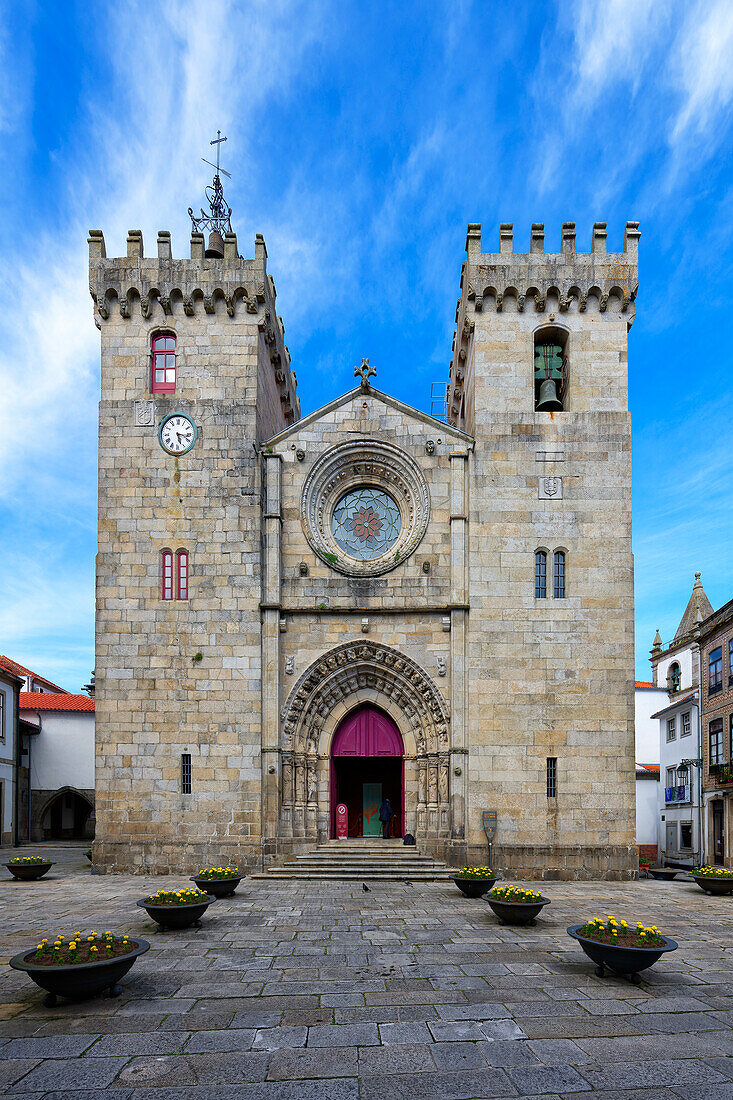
x: 362, y: 139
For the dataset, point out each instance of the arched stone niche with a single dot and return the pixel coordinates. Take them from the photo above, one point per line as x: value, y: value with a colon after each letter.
x: 341, y: 680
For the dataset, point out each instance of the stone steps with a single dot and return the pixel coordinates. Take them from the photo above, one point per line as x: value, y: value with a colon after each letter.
x: 356, y: 860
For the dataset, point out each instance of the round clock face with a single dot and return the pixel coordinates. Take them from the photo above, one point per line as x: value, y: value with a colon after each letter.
x: 177, y: 433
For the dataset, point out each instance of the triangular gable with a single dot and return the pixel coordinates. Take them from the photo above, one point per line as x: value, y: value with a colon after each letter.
x: 391, y: 402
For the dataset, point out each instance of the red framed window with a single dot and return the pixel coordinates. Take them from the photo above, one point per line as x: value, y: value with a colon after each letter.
x: 182, y: 574
x: 166, y: 574
x: 163, y: 378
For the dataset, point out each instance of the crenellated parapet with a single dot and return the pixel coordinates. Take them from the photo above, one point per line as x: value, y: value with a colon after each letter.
x: 159, y: 288
x: 541, y: 283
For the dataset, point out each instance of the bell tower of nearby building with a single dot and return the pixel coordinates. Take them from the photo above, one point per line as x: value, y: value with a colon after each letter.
x: 539, y: 378
x: 194, y: 372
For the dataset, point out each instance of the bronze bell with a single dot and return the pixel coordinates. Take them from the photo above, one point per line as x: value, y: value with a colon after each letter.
x: 215, y: 251
x: 549, y: 401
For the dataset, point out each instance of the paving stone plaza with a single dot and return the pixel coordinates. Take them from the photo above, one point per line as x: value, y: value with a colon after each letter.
x: 297, y: 990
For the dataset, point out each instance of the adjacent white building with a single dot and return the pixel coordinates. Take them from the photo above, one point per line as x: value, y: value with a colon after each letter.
x: 676, y: 670
x: 58, y: 739
x: 647, y: 700
x: 46, y: 758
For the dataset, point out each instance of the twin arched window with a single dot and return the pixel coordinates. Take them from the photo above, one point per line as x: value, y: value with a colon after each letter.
x: 163, y: 369
x: 174, y: 574
x: 558, y: 574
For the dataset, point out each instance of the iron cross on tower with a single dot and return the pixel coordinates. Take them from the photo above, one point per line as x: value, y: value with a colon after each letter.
x: 219, y: 219
x: 217, y: 142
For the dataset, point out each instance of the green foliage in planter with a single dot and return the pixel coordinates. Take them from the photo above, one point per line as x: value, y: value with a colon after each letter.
x: 475, y: 872
x: 712, y: 872
x: 176, y: 897
x: 514, y: 893
x: 81, y: 949
x: 218, y: 872
x: 29, y: 859
x: 619, y: 934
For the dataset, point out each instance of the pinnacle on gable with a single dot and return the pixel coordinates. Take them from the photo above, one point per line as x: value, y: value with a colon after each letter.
x: 698, y: 608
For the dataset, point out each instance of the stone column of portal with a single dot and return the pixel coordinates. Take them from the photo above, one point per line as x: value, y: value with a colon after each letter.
x: 459, y: 617
x: 271, y: 653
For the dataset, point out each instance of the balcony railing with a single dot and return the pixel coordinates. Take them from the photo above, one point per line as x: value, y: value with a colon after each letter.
x: 721, y: 773
x: 678, y: 794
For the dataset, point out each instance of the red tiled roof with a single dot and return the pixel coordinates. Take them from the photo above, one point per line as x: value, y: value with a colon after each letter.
x: 653, y: 768
x: 21, y: 670
x: 46, y: 700
x: 644, y: 684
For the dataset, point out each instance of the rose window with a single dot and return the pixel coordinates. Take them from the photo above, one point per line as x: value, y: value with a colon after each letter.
x: 366, y: 523
x: 364, y: 507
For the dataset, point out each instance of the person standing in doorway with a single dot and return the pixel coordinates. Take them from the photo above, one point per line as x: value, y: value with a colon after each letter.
x: 386, y: 813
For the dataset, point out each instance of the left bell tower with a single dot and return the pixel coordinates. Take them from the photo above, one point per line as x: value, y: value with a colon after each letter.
x: 194, y: 373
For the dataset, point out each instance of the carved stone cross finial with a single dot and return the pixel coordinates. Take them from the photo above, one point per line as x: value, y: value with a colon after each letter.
x: 364, y: 372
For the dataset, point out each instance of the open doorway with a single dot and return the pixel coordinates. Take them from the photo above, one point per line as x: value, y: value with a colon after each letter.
x: 367, y: 765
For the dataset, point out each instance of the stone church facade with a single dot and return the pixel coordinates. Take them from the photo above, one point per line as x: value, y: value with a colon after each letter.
x: 295, y: 613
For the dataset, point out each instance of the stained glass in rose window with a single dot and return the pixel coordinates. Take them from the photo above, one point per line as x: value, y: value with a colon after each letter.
x: 366, y: 523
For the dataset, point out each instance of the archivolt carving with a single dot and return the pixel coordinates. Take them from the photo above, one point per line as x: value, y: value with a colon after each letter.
x: 359, y: 463
x: 344, y: 671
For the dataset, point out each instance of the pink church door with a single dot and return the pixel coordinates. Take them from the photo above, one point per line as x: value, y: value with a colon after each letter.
x: 367, y: 765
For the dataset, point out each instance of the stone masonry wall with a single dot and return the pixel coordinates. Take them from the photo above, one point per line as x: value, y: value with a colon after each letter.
x: 175, y: 676
x: 550, y: 678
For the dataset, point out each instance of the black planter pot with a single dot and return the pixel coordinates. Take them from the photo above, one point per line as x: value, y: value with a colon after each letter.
x: 27, y: 872
x: 517, y: 912
x: 622, y: 960
x: 82, y: 980
x: 176, y: 916
x: 717, y: 886
x: 474, y: 887
x: 664, y: 874
x: 219, y: 887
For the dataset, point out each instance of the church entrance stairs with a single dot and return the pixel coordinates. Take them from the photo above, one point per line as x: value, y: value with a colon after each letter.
x: 357, y: 859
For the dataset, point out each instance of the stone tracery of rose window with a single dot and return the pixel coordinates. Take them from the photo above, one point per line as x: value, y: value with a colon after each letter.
x: 365, y: 507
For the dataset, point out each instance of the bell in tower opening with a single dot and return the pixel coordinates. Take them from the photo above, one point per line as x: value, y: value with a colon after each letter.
x: 550, y: 374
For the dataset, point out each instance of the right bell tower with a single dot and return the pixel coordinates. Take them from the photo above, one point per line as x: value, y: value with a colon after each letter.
x: 539, y: 378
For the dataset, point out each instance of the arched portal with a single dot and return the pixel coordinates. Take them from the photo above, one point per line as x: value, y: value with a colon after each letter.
x: 367, y: 765
x: 333, y: 687
x: 66, y: 816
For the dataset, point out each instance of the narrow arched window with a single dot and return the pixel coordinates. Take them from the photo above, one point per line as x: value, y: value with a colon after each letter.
x: 674, y: 677
x: 558, y: 575
x: 163, y: 378
x: 166, y: 574
x: 182, y: 574
x: 540, y: 575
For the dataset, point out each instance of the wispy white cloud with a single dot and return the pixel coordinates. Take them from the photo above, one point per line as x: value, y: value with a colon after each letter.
x: 612, y: 42
x: 703, y: 68
x: 137, y: 155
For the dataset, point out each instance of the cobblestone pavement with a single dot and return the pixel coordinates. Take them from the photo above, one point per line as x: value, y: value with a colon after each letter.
x: 293, y: 991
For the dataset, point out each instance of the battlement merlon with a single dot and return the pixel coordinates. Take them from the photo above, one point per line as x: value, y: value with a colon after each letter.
x: 158, y: 288
x: 596, y: 280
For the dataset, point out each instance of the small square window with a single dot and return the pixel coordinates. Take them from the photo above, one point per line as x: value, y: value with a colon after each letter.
x: 686, y: 724
x: 671, y: 729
